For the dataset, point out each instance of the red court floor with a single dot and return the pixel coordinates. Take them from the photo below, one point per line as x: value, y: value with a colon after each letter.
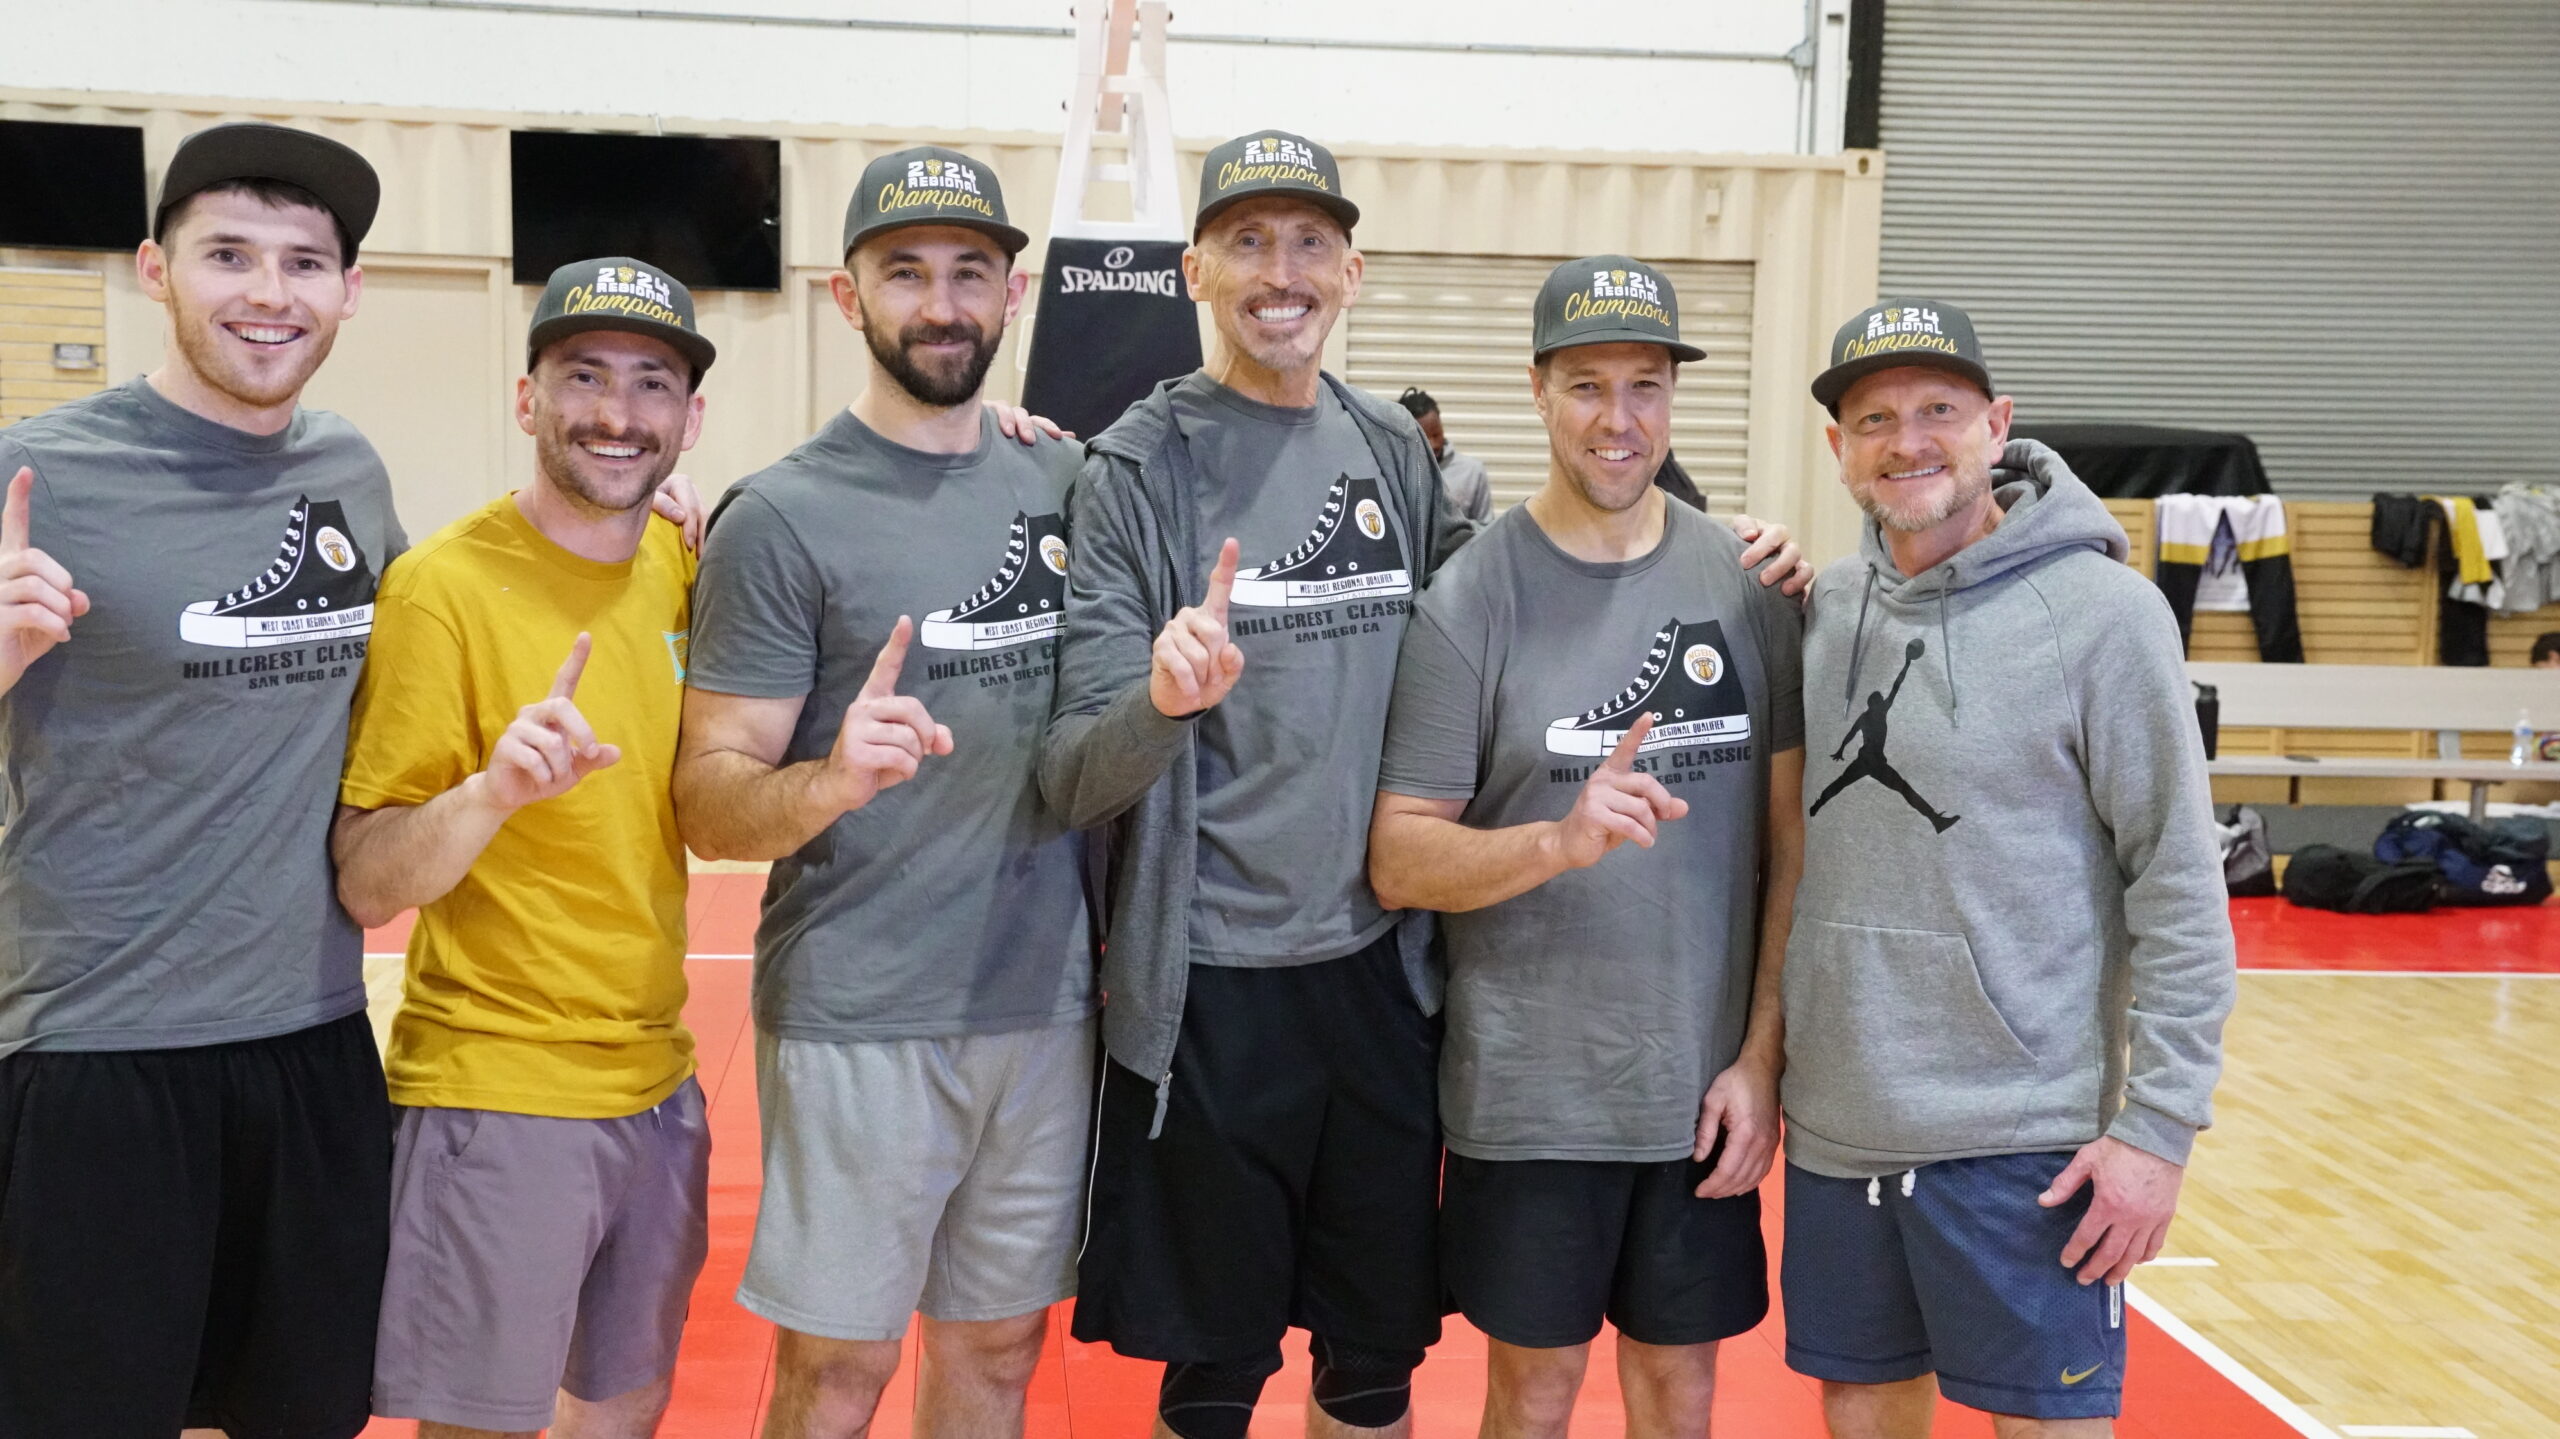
x: 1087, y: 1392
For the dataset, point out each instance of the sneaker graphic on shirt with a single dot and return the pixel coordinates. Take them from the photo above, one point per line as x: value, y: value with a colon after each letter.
x: 1026, y: 599
x: 1349, y: 554
x: 318, y: 585
x: 1686, y: 683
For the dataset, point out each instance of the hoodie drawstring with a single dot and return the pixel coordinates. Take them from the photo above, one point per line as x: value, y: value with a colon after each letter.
x: 1946, y: 652
x: 1875, y: 1187
x: 1858, y: 643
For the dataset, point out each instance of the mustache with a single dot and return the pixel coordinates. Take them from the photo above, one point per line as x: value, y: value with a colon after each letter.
x: 642, y: 439
x: 958, y: 332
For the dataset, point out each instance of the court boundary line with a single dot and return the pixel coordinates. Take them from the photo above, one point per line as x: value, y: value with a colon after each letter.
x: 2414, y: 973
x: 2221, y: 1362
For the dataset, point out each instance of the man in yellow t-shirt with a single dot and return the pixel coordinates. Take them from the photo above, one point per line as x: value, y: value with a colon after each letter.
x: 507, y: 775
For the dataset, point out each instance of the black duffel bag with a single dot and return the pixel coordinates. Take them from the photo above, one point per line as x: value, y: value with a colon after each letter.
x: 2504, y: 861
x: 2323, y: 876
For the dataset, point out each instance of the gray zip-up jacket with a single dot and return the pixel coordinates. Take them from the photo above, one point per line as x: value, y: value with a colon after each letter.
x: 2012, y: 933
x: 1111, y: 759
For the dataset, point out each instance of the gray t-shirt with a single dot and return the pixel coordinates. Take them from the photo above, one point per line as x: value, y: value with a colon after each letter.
x: 172, y: 771
x: 1587, y: 1017
x: 1289, y: 761
x: 953, y: 903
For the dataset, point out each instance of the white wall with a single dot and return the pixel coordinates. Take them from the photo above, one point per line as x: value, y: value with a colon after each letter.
x: 505, y: 56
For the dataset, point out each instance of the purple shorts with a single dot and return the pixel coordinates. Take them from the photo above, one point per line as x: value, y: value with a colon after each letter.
x: 531, y: 1255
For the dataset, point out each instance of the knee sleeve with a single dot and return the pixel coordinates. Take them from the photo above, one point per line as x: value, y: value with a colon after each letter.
x: 1213, y: 1401
x: 1361, y: 1385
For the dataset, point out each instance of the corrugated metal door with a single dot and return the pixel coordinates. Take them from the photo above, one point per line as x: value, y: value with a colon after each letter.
x: 2332, y: 225
x: 1458, y: 326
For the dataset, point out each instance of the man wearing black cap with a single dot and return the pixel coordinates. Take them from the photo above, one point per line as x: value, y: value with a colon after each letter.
x: 1249, y: 541
x: 873, y: 650
x: 1594, y: 769
x: 193, y: 1130
x: 508, y: 776
x: 2012, y: 954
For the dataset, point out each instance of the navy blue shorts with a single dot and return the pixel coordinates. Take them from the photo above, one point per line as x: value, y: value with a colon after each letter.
x: 1951, y: 1269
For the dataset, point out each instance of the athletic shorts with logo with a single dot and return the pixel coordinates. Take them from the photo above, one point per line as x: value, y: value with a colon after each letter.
x: 531, y: 1255
x: 942, y: 1176
x: 1951, y: 1269
x: 1539, y: 1251
x: 1296, y: 1179
x: 193, y: 1237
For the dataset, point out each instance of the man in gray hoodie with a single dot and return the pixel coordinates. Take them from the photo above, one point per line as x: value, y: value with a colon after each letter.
x: 1248, y: 542
x: 2011, y: 958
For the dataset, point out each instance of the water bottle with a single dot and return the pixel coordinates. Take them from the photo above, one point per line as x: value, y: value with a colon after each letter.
x: 2523, y: 750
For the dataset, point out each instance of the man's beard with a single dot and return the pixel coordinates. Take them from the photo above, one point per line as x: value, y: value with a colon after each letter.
x: 956, y: 386
x: 1603, y: 501
x: 558, y: 455
x: 1972, y: 480
x: 219, y: 368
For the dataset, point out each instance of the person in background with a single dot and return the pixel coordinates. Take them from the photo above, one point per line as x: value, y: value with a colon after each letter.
x: 1462, y: 476
x: 2546, y: 650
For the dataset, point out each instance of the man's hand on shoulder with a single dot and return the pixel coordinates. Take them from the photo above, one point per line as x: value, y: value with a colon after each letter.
x: 1019, y: 424
x: 1786, y: 567
x: 680, y: 504
x: 2134, y: 1195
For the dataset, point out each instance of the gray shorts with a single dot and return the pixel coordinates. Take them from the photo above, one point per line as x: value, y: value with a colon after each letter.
x: 531, y: 1255
x: 937, y: 1175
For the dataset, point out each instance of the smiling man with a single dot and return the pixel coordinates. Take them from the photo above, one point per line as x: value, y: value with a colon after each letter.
x: 194, y: 1139
x: 1250, y: 539
x: 2012, y: 956
x: 508, y: 775
x: 924, y: 970
x: 1595, y: 703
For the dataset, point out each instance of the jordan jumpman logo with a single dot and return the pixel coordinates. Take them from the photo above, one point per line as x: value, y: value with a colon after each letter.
x: 1871, y: 763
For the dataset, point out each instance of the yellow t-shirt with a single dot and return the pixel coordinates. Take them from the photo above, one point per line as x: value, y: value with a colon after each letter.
x: 550, y: 981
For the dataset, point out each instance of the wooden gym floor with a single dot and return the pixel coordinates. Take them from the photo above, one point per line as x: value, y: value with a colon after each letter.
x: 2363, y: 1252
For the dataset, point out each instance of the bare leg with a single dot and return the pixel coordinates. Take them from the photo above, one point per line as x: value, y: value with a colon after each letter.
x: 827, y: 1388
x: 971, y: 1377
x: 1529, y: 1393
x: 632, y: 1414
x: 1321, y: 1425
x: 1881, y: 1411
x: 1670, y: 1389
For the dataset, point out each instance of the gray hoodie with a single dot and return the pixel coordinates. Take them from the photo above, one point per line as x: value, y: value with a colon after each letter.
x: 1110, y: 759
x: 2010, y: 871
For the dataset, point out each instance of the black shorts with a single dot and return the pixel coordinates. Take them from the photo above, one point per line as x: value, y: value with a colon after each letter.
x: 1297, y: 1178
x: 194, y: 1237
x: 1538, y: 1251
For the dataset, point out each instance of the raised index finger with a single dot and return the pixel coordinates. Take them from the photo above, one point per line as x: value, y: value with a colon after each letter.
x: 893, y: 658
x: 1623, y: 758
x: 1222, y: 582
x: 13, y: 516
x: 564, y: 685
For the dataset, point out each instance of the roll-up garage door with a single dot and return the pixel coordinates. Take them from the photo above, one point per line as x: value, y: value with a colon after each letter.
x: 1458, y: 326
x: 2332, y: 225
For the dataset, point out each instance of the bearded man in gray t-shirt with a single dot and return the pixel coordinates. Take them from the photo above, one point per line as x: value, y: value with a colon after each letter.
x: 1594, y: 769
x: 874, y: 637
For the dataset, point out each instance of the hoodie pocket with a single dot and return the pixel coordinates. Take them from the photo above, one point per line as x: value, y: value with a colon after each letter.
x: 1894, y: 1046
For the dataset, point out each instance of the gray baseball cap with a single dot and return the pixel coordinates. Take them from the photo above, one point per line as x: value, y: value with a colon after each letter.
x: 929, y: 185
x: 1266, y: 163
x: 1608, y: 299
x: 616, y: 292
x: 1901, y: 332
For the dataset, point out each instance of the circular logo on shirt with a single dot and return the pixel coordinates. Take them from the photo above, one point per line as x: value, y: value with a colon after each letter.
x: 336, y: 551
x: 1053, y: 553
x: 1704, y: 664
x: 1371, y: 520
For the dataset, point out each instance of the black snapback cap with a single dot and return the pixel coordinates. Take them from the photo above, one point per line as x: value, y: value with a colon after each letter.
x: 616, y: 292
x: 1608, y: 299
x: 1901, y: 332
x: 336, y: 175
x: 1267, y: 163
x: 929, y: 185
